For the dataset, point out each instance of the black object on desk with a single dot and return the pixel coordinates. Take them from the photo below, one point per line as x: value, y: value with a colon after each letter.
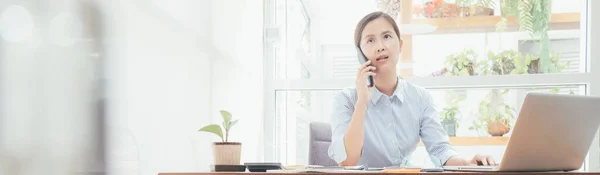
x: 228, y: 168
x: 432, y: 170
x: 263, y: 166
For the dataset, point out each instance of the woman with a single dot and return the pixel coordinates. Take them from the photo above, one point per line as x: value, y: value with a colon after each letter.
x: 380, y: 126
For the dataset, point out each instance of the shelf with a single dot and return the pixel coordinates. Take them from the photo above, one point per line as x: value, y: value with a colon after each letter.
x: 559, y: 21
x: 476, y: 141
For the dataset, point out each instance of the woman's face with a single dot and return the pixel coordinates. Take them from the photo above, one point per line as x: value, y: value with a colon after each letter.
x: 381, y: 45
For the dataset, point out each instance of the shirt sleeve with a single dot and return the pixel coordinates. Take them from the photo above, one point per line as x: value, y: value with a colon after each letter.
x: 433, y: 135
x: 341, y: 115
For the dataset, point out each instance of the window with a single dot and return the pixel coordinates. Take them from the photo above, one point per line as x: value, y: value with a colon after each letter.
x: 462, y: 51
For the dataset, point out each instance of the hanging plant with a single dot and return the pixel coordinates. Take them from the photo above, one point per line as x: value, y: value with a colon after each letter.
x: 533, y: 16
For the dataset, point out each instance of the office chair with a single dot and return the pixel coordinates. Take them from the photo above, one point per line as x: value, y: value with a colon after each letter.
x: 319, y: 141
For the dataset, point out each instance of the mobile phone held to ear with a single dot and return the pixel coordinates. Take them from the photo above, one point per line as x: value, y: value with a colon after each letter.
x: 362, y: 59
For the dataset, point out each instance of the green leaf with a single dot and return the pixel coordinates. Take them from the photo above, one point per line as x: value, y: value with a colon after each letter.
x: 233, y: 123
x: 490, y: 55
x: 487, y: 3
x: 215, y: 129
x: 226, y: 118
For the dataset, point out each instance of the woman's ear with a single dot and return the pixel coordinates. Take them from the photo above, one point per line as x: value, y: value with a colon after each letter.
x: 401, y: 42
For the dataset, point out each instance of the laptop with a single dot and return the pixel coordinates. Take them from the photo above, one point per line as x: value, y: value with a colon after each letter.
x: 553, y: 133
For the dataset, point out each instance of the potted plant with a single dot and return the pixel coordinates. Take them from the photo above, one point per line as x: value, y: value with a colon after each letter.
x: 461, y: 64
x: 504, y: 62
x: 225, y: 152
x: 450, y: 114
x: 494, y: 115
x: 460, y: 8
x: 534, y: 66
x: 523, y: 64
x: 513, y: 62
x: 475, y: 7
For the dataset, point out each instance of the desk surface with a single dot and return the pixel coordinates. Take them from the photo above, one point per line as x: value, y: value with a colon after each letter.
x: 375, y: 173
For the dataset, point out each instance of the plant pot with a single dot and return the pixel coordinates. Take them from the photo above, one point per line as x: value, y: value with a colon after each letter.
x: 227, y: 153
x: 534, y: 67
x: 498, y: 127
x: 450, y: 127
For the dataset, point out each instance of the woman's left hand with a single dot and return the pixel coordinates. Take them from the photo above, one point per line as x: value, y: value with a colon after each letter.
x: 484, y: 160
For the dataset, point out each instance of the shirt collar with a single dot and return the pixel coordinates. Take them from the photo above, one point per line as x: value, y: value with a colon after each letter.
x: 376, y: 94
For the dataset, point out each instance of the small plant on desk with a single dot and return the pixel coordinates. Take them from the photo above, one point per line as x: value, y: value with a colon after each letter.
x: 225, y: 152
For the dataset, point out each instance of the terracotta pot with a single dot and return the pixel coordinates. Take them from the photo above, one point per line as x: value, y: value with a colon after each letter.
x: 227, y: 153
x: 498, y: 127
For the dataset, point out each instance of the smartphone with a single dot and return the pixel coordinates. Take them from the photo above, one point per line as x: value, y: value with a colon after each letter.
x: 362, y: 59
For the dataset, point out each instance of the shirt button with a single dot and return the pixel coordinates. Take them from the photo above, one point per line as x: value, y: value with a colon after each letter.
x: 390, y: 124
x: 394, y: 142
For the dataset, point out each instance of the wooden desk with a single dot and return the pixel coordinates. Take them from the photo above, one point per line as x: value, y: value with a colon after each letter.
x: 375, y: 173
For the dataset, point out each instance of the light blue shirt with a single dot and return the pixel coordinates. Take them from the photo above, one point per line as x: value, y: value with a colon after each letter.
x: 393, y: 126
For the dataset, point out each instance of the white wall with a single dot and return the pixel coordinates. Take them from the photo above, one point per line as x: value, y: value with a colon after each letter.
x: 335, y: 25
x: 159, y: 94
x: 237, y: 71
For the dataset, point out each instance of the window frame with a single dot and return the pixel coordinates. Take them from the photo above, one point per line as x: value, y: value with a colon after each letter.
x: 590, y: 78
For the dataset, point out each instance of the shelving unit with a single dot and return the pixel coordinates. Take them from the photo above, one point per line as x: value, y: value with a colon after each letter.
x: 474, y: 24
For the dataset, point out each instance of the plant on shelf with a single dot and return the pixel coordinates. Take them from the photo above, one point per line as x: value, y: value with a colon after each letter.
x: 476, y: 7
x: 450, y: 115
x: 555, y: 67
x: 494, y: 114
x: 460, y: 8
x: 513, y: 62
x: 436, y: 9
x: 225, y: 152
x: 504, y: 62
x: 523, y: 64
x: 461, y: 64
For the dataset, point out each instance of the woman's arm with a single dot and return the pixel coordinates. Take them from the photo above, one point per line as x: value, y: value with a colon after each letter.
x: 347, y: 124
x: 436, y: 140
x: 348, y: 119
x: 433, y: 135
x: 354, y: 136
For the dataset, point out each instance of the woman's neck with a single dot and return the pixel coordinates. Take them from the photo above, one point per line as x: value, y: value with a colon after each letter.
x: 386, y: 82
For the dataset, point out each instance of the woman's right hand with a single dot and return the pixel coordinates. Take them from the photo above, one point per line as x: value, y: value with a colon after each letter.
x: 362, y: 84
